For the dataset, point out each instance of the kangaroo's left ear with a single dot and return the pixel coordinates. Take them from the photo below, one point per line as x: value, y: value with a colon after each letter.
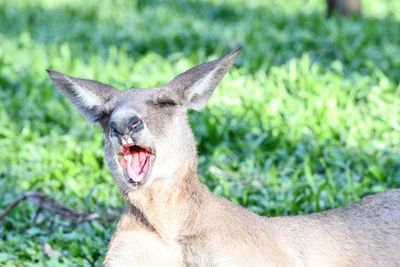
x: 87, y: 95
x: 196, y: 85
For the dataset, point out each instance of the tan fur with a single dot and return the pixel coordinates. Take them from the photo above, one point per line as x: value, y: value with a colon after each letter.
x: 173, y: 220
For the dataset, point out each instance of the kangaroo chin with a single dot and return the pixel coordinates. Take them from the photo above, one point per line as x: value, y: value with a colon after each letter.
x: 171, y: 219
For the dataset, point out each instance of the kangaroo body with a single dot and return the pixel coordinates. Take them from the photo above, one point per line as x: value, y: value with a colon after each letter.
x: 171, y: 219
x: 215, y: 232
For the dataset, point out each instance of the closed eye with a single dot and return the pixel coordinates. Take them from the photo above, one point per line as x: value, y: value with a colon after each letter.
x: 100, y: 116
x: 167, y: 103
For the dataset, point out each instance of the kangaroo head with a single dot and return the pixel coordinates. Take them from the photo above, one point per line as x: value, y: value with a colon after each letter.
x: 147, y: 134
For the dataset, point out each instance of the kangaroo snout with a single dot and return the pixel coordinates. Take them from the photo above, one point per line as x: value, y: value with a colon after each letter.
x: 127, y: 127
x: 136, y: 124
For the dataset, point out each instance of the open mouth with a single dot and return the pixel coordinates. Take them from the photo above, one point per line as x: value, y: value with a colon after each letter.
x: 137, y: 162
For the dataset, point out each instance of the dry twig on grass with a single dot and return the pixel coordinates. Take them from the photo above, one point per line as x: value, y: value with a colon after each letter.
x: 45, y: 203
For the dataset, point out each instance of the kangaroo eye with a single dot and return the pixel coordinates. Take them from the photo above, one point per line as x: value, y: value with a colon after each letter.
x: 167, y: 103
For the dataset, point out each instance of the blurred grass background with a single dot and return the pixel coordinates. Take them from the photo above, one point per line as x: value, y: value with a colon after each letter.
x: 308, y: 119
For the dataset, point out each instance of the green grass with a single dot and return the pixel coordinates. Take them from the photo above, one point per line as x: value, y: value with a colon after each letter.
x: 309, y: 119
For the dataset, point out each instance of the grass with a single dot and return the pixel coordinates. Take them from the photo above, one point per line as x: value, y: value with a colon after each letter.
x: 308, y: 119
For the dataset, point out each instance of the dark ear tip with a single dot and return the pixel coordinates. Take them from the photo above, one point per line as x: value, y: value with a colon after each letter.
x: 235, y: 52
x: 239, y: 49
x: 55, y: 74
x: 50, y: 72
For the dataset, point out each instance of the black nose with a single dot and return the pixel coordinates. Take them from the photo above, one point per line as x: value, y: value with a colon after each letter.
x: 127, y: 127
x: 135, y: 124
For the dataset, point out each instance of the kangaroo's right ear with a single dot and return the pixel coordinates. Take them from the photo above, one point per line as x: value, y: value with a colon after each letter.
x: 197, y: 84
x: 87, y: 95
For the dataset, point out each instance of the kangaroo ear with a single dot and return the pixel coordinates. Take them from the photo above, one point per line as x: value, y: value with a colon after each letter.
x: 87, y: 95
x: 197, y: 84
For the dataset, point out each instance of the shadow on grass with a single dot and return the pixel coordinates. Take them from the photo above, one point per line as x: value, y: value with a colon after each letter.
x: 270, y: 36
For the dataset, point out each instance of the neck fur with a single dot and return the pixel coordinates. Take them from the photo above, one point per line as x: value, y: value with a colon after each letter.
x: 168, y: 205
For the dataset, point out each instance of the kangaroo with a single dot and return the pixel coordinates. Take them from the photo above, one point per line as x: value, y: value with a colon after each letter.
x: 171, y: 219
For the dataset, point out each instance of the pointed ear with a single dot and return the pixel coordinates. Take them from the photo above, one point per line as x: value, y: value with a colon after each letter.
x: 196, y: 85
x: 87, y: 95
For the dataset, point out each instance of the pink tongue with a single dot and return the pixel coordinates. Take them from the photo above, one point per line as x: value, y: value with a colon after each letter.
x: 136, y: 163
